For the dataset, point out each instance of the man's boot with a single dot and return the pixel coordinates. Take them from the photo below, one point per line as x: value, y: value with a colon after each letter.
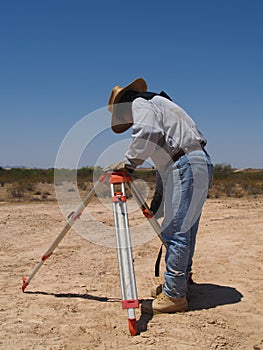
x: 164, y: 304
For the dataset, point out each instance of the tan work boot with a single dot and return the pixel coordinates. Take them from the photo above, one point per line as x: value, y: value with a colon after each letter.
x: 164, y: 304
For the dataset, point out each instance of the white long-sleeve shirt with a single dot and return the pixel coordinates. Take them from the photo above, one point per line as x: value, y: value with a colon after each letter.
x: 160, y: 130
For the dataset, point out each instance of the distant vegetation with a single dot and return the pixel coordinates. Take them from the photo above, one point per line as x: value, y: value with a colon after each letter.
x: 236, y: 183
x: 23, y: 184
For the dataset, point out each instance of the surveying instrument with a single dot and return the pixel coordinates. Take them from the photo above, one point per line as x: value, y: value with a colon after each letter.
x: 117, y: 181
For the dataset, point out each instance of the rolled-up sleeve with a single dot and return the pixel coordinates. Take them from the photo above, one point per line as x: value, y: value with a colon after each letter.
x: 145, y: 135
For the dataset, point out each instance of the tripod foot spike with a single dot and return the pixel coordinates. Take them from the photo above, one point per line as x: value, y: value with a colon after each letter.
x: 132, y: 326
x: 25, y: 284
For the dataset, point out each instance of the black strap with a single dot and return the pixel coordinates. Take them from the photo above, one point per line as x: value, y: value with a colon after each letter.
x: 164, y: 94
x: 157, y: 263
x: 131, y: 95
x: 147, y: 95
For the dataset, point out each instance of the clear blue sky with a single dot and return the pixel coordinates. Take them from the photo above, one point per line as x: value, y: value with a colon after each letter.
x: 60, y: 59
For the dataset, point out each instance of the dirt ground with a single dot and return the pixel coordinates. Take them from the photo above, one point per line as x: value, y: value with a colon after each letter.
x: 73, y: 302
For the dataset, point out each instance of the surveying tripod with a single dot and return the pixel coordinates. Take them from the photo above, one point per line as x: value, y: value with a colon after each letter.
x: 117, y: 180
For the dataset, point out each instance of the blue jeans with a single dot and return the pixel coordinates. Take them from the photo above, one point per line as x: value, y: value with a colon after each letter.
x: 186, y: 185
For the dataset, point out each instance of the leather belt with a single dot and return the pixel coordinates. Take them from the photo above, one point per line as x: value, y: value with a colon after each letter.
x: 181, y: 152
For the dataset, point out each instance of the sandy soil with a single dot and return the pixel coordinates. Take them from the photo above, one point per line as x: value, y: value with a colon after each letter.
x: 73, y: 302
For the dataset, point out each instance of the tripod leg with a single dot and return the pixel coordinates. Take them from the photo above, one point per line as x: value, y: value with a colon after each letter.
x: 124, y: 250
x: 146, y: 210
x: 71, y: 219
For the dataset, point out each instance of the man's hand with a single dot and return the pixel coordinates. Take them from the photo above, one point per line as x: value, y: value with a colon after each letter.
x: 157, y: 206
x: 155, y: 203
x: 119, y: 166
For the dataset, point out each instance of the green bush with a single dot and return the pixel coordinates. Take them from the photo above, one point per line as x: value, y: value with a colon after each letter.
x: 222, y: 171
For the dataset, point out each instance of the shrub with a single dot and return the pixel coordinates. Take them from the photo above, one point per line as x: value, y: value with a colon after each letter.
x: 222, y: 171
x: 17, y: 191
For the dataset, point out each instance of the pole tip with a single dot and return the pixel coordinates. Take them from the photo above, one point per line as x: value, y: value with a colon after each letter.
x: 132, y: 326
x: 25, y: 284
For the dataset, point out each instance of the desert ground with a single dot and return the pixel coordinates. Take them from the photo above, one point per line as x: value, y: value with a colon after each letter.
x: 73, y: 302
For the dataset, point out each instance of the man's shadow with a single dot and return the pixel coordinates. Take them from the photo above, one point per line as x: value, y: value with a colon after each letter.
x: 207, y: 296
x: 201, y: 296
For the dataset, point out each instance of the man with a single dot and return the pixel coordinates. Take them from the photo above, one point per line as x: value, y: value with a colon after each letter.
x: 164, y: 132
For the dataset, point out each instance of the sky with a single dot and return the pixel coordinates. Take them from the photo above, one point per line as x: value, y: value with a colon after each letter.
x: 59, y: 60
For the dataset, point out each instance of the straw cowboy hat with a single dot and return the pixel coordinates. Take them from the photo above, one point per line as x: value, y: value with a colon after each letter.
x: 116, y: 94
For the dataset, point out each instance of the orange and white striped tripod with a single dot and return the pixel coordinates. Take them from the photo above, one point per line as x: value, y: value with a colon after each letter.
x: 117, y: 182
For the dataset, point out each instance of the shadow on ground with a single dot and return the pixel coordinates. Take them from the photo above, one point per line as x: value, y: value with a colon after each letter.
x: 76, y: 295
x: 207, y: 296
